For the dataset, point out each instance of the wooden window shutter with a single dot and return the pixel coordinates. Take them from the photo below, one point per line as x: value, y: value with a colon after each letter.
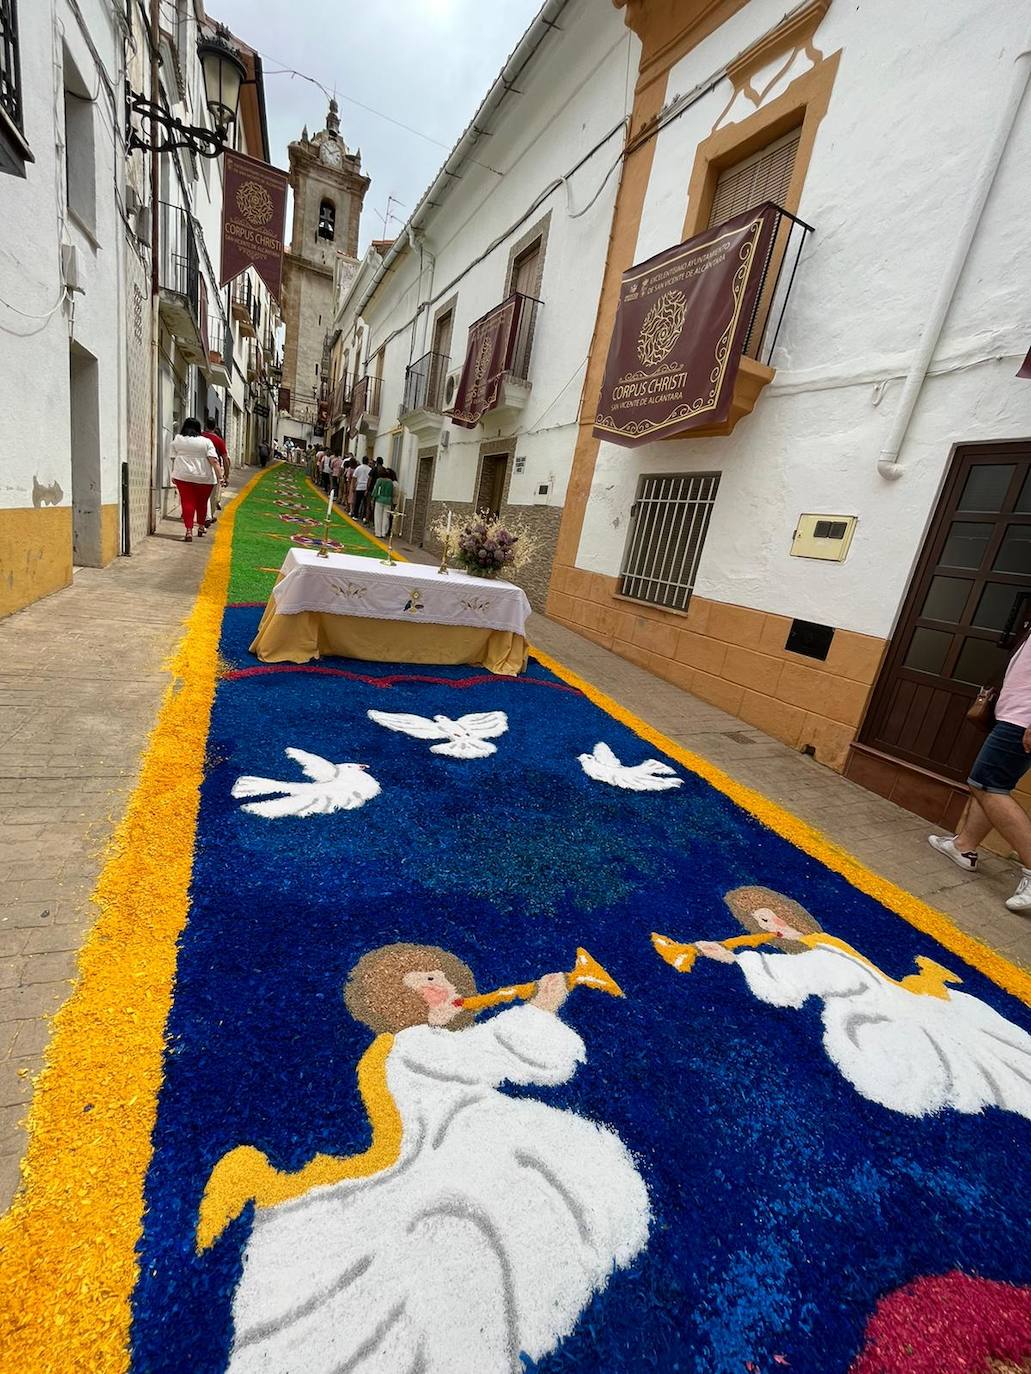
x: 765, y: 175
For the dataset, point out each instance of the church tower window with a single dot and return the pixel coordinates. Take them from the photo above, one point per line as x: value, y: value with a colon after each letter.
x: 327, y: 220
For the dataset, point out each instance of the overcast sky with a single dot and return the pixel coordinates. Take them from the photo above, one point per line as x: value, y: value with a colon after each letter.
x: 425, y: 63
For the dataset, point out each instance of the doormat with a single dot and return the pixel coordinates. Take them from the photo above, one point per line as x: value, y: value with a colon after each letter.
x: 441, y: 1021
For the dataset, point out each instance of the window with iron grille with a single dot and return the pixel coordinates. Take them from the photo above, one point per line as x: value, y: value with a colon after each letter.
x: 668, y: 525
x: 14, y: 151
x: 765, y: 175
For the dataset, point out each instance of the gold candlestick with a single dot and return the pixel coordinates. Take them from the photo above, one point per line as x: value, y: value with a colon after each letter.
x: 323, y: 542
x: 444, y: 555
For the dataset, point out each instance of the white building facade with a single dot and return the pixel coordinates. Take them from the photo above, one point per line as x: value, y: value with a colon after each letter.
x: 839, y: 568
x: 62, y: 313
x: 105, y: 344
x: 521, y: 207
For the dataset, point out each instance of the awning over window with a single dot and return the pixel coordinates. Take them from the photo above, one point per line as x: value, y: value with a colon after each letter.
x: 488, y: 357
x: 683, y: 320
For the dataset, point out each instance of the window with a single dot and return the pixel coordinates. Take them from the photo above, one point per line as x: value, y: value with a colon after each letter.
x: 395, y: 450
x: 327, y: 220
x: 668, y: 524
x: 526, y: 270
x: 765, y: 175
x: 80, y: 172
x: 14, y: 151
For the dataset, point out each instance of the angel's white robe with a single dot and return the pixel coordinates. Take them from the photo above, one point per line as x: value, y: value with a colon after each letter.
x: 910, y: 1052
x: 498, y: 1223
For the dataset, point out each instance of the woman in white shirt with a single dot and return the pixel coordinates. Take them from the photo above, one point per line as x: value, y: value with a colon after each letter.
x: 195, y: 469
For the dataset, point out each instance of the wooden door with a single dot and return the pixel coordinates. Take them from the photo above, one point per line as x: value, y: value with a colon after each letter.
x: 969, y: 599
x: 525, y: 270
x: 439, y: 362
x: 423, y: 488
x: 492, y: 483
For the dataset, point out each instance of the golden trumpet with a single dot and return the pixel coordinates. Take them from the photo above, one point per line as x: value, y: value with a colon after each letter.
x: 586, y: 972
x: 682, y: 957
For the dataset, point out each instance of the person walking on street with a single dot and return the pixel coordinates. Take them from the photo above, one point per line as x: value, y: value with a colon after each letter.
x: 374, y: 476
x: 336, y: 464
x: 324, y: 468
x: 212, y: 432
x: 384, y: 497
x: 263, y: 453
x: 1004, y: 759
x: 361, y: 484
x: 348, y: 484
x: 195, y: 468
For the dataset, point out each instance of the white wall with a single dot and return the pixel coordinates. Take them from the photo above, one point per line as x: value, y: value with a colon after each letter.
x: 574, y: 92
x: 34, y: 346
x: 915, y: 101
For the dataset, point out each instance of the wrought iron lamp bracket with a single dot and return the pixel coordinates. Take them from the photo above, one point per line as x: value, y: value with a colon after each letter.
x: 202, y: 142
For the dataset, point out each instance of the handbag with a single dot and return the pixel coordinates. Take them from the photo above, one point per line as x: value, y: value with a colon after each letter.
x: 982, y: 709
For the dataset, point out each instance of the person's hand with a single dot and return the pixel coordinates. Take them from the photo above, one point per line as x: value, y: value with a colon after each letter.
x: 1027, y: 740
x: 712, y: 949
x: 552, y: 991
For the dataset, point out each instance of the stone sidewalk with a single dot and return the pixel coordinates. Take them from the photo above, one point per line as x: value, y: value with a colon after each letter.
x: 81, y: 677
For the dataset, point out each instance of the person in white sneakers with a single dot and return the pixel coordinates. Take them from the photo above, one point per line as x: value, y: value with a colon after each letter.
x: 1004, y: 759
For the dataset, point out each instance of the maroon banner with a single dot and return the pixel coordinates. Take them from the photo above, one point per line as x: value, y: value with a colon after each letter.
x: 1025, y: 367
x: 683, y: 319
x: 359, y: 401
x: 253, y: 220
x: 488, y: 356
x: 284, y: 398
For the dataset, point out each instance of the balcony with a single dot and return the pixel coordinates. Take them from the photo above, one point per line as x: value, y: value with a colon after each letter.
x: 365, y: 406
x: 244, y: 307
x: 219, y: 366
x: 422, y: 406
x: 181, y: 284
x: 503, y: 397
x: 755, y: 370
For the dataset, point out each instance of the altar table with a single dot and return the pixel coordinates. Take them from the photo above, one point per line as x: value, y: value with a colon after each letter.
x: 354, y: 607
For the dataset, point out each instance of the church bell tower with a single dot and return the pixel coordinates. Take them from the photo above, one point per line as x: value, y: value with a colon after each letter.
x: 328, y: 191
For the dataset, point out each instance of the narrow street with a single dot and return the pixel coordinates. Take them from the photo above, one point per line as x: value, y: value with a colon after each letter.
x: 541, y: 882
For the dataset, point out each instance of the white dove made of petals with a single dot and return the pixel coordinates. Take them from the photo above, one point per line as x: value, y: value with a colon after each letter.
x: 464, y: 738
x: 332, y: 787
x: 649, y: 776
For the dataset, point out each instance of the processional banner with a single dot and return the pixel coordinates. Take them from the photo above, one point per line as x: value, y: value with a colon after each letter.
x: 683, y: 320
x: 253, y: 220
x: 488, y: 356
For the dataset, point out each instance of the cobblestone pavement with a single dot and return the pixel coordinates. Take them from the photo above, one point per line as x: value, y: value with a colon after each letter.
x: 81, y: 678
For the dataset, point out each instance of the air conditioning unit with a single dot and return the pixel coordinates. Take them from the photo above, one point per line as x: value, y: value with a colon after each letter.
x: 70, y: 268
x: 451, y: 387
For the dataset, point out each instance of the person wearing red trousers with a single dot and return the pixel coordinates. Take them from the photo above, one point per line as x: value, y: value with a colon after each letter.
x: 195, y: 467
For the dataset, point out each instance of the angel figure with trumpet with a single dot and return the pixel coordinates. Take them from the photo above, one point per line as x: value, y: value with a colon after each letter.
x: 913, y: 1045
x: 476, y: 1226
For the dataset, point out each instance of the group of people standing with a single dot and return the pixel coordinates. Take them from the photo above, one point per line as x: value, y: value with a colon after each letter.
x: 368, y: 493
x: 200, y: 469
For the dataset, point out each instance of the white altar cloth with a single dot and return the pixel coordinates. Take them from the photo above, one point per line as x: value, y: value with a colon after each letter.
x: 345, y: 584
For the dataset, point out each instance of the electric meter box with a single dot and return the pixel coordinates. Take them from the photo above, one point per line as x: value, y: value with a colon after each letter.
x: 823, y: 536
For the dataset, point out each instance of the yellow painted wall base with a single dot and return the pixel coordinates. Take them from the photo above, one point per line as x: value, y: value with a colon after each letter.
x: 108, y: 534
x: 35, y: 554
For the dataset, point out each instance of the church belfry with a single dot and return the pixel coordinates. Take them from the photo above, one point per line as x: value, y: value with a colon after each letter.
x: 328, y: 191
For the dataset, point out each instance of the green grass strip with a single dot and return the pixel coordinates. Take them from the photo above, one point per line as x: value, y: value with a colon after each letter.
x: 262, y: 538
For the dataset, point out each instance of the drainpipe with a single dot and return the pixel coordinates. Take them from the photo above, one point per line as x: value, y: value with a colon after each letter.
x: 888, y: 462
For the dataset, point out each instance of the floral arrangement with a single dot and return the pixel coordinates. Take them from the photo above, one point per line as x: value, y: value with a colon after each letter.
x: 484, y: 546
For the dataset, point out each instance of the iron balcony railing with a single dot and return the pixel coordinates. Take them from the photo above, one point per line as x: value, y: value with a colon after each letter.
x: 778, y: 277
x: 180, y: 257
x: 424, y: 384
x: 524, y: 326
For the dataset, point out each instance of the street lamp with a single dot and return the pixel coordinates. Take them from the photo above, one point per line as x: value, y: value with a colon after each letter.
x: 224, y: 74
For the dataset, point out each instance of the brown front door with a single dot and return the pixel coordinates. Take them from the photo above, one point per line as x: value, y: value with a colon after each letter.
x: 423, y: 488
x: 492, y: 483
x: 971, y: 590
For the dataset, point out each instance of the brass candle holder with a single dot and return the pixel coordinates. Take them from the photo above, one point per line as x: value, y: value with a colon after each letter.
x: 324, y: 541
x: 445, y: 553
